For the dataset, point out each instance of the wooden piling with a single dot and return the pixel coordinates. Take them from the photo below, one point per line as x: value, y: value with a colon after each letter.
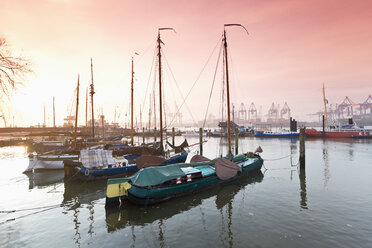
x: 302, y: 148
x: 173, y: 134
x: 143, y: 135
x: 236, y: 141
x: 155, y: 134
x: 201, y: 140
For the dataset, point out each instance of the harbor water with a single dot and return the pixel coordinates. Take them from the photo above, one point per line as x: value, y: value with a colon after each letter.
x: 329, y: 204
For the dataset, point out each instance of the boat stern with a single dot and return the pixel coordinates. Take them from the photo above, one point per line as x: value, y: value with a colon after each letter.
x: 117, y: 191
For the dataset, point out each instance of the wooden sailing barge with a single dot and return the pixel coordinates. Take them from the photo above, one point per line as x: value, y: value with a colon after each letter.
x: 156, y: 184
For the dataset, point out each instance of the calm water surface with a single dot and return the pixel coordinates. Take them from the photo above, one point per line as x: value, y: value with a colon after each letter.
x: 328, y: 205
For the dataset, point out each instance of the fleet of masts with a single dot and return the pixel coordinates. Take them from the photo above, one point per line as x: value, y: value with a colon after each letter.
x: 161, y: 125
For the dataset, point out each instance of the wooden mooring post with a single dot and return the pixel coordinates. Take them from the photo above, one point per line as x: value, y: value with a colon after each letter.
x: 201, y: 140
x: 236, y: 141
x: 302, y: 148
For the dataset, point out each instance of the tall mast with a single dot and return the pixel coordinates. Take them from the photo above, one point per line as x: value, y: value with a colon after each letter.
x: 150, y: 112
x: 227, y: 93
x: 115, y: 114
x: 227, y: 84
x: 131, y: 103
x: 44, y: 116
x: 160, y: 98
x: 154, y: 111
x: 325, y: 106
x: 140, y: 117
x: 131, y: 108
x: 86, y: 108
x: 160, y: 90
x: 77, y: 110
x: 91, y: 95
x: 54, y: 115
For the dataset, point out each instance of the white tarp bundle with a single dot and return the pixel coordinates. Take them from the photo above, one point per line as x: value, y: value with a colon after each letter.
x: 96, y: 158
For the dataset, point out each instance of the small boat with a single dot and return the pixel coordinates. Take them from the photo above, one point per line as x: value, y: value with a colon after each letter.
x: 97, y: 165
x: 193, y: 133
x: 48, y: 161
x: 130, y: 214
x: 279, y: 134
x: 156, y: 184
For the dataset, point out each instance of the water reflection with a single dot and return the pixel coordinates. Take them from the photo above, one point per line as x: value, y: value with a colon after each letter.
x: 44, y: 179
x: 84, y: 192
x: 77, y: 235
x: 326, y: 172
x: 303, y: 201
x: 133, y: 215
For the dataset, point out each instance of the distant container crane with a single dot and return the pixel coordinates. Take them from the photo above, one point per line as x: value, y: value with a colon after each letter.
x: 242, y: 112
x: 360, y: 112
x: 349, y: 108
x: 252, y: 112
x: 285, y: 111
x: 272, y: 114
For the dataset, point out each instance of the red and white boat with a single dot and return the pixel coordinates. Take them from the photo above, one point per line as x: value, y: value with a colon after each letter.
x: 337, y: 133
x: 349, y: 130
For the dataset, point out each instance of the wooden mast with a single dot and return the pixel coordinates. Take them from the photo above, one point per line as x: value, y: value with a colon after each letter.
x: 77, y: 110
x: 325, y: 106
x: 227, y: 83
x: 150, y: 112
x: 131, y: 108
x: 160, y: 98
x: 86, y: 108
x: 160, y: 90
x: 154, y: 111
x: 44, y: 125
x: 91, y: 95
x: 228, y: 93
x: 54, y: 115
x: 131, y: 103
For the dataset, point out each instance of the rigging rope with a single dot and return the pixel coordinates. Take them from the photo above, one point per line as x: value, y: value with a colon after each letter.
x: 214, y: 78
x: 179, y: 91
x: 148, y: 80
x: 197, y: 79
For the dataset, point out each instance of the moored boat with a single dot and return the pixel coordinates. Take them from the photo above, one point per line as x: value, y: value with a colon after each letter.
x: 112, y: 167
x: 337, y: 130
x: 156, y: 184
x: 280, y: 134
x: 48, y: 161
x: 336, y: 133
x: 130, y: 214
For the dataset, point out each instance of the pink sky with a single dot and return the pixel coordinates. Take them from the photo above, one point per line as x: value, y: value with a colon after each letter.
x: 293, y: 48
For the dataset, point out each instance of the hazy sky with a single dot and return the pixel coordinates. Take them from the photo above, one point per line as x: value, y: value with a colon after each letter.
x: 292, y: 48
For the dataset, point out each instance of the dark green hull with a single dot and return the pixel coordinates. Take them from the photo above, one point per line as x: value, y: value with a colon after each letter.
x: 152, y: 195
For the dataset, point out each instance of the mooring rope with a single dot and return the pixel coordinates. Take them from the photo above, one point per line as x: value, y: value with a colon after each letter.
x: 36, y: 208
x: 27, y: 209
x: 13, y: 219
x: 274, y: 159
